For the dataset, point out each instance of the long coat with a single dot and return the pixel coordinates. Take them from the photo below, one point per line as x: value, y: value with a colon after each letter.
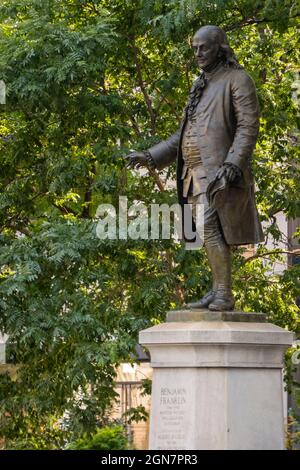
x: 227, y: 118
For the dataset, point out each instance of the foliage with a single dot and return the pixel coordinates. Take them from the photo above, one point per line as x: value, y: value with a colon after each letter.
x: 292, y: 359
x: 109, y: 438
x: 136, y: 414
x: 292, y: 433
x: 259, y: 289
x: 87, y: 81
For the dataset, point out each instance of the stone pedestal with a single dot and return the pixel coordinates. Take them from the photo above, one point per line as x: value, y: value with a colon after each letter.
x: 217, y: 384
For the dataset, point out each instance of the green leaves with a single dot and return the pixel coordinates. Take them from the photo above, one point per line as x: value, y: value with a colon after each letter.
x: 104, y: 439
x: 86, y: 82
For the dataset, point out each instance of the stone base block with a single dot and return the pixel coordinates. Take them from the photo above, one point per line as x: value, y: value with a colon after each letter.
x: 216, y: 385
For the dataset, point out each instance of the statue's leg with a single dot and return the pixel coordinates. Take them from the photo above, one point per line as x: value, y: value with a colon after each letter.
x: 219, y: 257
x: 218, y: 253
x: 220, y: 263
x: 209, y: 296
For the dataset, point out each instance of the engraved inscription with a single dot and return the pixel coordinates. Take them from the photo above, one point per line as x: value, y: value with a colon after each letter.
x: 172, y: 414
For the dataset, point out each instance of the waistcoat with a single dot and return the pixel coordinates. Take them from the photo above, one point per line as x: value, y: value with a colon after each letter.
x: 193, y: 172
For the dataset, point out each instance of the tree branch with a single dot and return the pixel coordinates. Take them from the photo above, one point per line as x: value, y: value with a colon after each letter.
x: 250, y: 21
x: 147, y: 98
x: 165, y: 99
x: 135, y: 126
x: 157, y: 179
x: 64, y: 209
x: 273, y: 252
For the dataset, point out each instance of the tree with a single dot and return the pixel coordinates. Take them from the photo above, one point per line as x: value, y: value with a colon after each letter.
x: 87, y: 81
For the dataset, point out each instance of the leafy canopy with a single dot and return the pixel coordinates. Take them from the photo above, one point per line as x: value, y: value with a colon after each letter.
x: 86, y: 82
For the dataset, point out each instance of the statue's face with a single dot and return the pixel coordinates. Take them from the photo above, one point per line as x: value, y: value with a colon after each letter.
x: 206, y: 49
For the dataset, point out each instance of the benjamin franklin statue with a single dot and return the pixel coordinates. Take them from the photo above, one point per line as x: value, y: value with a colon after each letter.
x: 213, y: 148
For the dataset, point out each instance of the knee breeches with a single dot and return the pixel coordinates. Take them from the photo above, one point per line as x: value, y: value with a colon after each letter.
x: 213, y: 234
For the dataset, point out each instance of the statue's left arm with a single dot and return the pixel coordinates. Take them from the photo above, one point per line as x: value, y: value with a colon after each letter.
x: 246, y: 110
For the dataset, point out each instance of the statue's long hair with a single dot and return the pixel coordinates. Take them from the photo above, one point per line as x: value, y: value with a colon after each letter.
x: 226, y: 54
x: 228, y: 57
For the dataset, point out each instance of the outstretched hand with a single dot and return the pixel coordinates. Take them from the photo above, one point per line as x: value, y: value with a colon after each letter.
x: 230, y: 171
x: 136, y: 160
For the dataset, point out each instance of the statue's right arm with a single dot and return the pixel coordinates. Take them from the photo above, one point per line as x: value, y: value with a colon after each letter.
x: 157, y: 157
x: 165, y: 152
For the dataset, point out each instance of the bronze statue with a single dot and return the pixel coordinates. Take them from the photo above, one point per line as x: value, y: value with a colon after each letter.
x: 213, y: 148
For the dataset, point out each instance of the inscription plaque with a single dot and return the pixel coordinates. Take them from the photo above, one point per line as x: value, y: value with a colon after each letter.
x: 173, y: 416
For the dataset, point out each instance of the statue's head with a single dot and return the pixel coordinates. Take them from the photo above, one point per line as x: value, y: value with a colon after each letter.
x: 211, y: 45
